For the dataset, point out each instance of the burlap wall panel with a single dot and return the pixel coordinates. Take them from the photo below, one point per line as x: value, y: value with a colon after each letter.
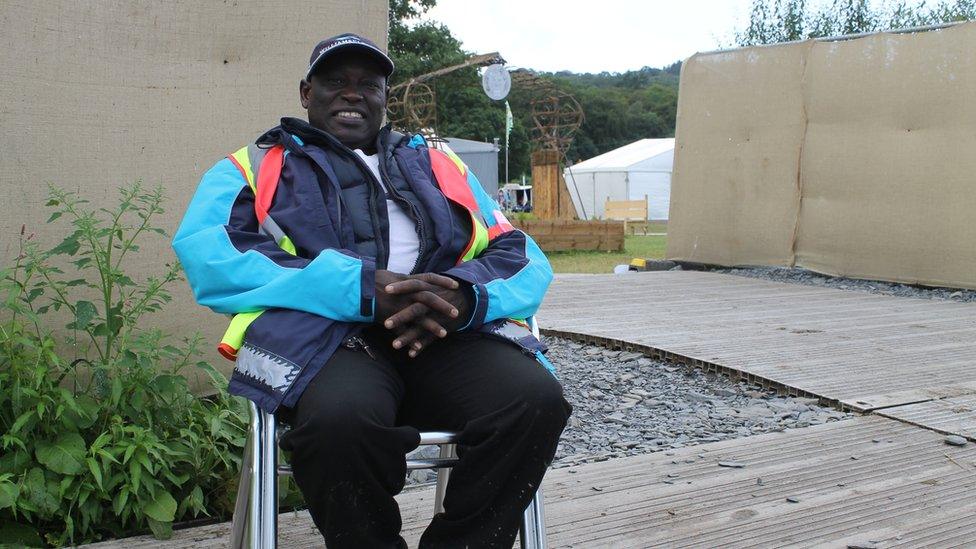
x: 889, y: 163
x: 734, y: 192
x: 97, y: 94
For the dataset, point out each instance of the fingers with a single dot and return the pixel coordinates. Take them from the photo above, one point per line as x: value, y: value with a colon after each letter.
x: 408, y: 337
x: 421, y: 282
x: 424, y: 324
x: 436, y: 303
x: 418, y: 336
x: 432, y: 327
x: 407, y: 286
x: 405, y: 316
x: 420, y: 344
x: 424, y: 303
x: 438, y: 280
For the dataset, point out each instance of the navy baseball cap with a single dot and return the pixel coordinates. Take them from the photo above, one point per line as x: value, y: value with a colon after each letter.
x: 346, y: 43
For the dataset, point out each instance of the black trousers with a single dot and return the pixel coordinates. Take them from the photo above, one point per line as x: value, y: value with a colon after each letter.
x: 363, y: 412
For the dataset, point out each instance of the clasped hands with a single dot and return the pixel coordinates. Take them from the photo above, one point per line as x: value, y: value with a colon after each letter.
x: 419, y: 308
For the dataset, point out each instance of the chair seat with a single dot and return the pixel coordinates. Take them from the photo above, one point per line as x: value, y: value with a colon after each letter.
x: 427, y: 438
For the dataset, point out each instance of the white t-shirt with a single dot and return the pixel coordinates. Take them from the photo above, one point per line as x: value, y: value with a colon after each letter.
x: 404, y: 242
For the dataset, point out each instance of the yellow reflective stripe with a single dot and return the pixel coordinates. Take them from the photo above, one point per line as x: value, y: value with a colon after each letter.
x: 234, y: 336
x: 480, y: 239
x: 287, y: 245
x: 462, y: 167
x: 244, y: 160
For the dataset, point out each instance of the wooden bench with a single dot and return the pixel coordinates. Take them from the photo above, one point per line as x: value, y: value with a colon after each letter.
x: 632, y: 212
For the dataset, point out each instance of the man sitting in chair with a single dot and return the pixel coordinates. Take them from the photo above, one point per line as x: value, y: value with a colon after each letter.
x: 377, y: 291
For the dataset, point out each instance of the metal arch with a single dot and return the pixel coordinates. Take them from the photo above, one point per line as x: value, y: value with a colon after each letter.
x: 412, y: 105
x: 556, y: 115
x: 556, y: 118
x: 413, y: 108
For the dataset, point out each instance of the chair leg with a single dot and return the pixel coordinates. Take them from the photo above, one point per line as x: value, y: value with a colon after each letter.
x: 241, y: 528
x: 448, y: 451
x: 255, y: 523
x: 532, y: 533
x: 267, y: 495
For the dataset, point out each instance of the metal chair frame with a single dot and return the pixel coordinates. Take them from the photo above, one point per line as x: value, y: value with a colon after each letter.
x: 255, y: 522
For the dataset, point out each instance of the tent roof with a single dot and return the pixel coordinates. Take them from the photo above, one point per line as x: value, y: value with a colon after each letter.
x: 626, y: 156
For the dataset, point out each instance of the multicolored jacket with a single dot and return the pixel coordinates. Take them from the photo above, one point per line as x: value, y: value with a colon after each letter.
x: 267, y: 238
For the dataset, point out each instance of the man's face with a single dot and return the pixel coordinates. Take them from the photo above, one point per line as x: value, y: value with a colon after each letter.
x: 346, y: 97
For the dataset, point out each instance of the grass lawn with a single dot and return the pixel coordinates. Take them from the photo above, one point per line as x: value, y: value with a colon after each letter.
x: 648, y: 247
x: 657, y: 227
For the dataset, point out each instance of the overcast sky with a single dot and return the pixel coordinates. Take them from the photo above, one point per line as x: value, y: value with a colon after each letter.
x: 592, y: 36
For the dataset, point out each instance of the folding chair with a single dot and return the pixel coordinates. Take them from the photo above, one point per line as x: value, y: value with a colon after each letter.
x: 255, y: 522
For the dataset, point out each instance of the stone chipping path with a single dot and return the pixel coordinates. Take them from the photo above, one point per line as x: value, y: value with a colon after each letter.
x: 626, y: 404
x: 810, y: 278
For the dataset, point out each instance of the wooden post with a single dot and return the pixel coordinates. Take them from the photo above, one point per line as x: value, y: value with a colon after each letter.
x: 550, y: 197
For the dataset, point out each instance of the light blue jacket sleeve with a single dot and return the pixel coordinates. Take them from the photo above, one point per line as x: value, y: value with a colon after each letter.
x: 234, y: 269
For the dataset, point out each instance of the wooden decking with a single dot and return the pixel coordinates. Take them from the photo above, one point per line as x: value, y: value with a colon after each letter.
x: 856, y: 349
x: 882, y: 479
x: 868, y: 481
x: 863, y: 481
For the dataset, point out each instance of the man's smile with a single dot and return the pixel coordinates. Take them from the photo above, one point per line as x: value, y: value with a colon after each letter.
x: 349, y: 115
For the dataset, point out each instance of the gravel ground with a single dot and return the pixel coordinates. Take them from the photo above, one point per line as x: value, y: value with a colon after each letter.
x: 626, y: 404
x: 802, y: 276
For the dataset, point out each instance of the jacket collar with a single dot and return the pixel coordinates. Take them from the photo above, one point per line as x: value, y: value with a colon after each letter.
x: 386, y: 138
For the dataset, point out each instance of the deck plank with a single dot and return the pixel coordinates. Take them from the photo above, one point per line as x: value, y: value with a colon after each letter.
x: 954, y: 415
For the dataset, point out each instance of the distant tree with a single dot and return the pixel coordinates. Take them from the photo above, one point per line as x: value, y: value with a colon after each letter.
x: 772, y: 21
x: 946, y: 12
x: 619, y: 107
x: 418, y: 47
x: 673, y: 68
x: 422, y: 47
x: 403, y: 10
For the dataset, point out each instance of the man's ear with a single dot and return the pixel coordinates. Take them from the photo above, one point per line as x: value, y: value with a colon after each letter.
x: 304, y: 93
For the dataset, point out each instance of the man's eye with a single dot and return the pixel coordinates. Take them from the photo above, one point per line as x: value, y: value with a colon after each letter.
x: 335, y: 82
x: 373, y: 86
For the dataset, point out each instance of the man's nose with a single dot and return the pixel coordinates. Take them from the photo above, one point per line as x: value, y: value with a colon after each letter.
x: 352, y: 93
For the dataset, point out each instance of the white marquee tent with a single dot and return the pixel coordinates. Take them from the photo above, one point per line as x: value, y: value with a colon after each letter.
x: 628, y: 173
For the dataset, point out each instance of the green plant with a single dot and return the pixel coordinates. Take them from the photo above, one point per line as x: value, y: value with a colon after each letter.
x: 101, y: 434
x: 520, y: 217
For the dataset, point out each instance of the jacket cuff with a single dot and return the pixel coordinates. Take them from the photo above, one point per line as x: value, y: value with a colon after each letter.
x: 480, y: 308
x: 471, y: 292
x: 367, y: 288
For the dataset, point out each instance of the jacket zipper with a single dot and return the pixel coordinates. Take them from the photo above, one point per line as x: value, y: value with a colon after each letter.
x: 418, y: 218
x: 447, y: 203
x: 381, y: 251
